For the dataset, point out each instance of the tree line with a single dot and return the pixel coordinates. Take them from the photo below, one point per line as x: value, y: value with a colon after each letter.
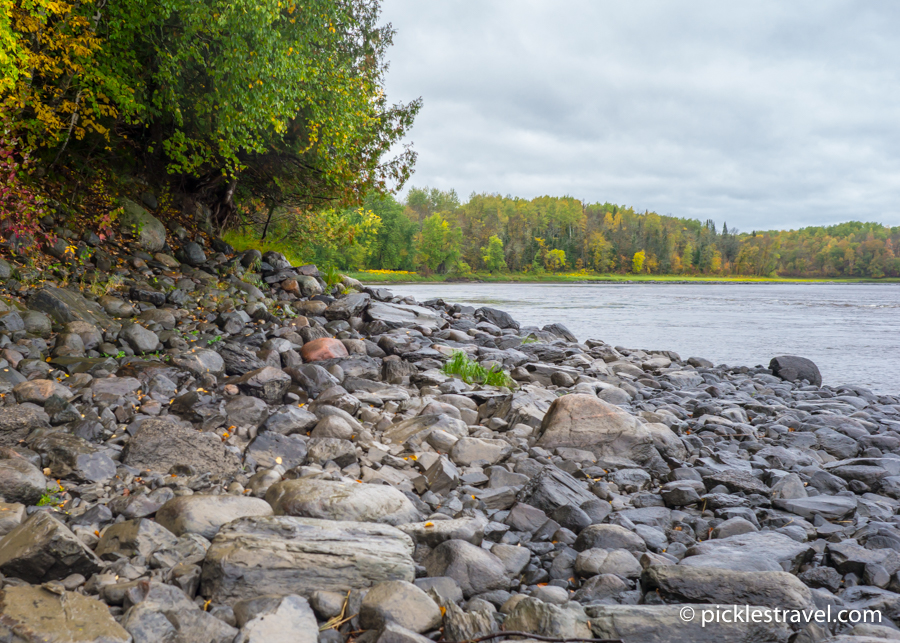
x: 432, y: 231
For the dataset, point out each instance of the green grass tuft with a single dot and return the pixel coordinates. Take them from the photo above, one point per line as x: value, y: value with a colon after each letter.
x: 471, y: 372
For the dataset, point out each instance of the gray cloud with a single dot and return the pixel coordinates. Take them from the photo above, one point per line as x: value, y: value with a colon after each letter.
x: 769, y: 115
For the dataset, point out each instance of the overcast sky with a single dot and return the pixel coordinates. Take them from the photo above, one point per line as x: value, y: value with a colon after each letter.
x: 763, y: 114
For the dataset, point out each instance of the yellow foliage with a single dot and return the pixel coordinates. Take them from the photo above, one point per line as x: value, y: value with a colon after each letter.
x: 47, y: 50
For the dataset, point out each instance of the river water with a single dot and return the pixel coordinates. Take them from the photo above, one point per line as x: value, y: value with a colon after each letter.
x: 851, y: 331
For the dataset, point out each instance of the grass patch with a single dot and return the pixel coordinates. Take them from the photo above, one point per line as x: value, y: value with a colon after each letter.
x: 471, y: 372
x: 244, y: 240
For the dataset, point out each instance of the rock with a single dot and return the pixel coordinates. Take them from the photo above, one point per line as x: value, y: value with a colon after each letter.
x: 792, y: 368
x: 131, y: 538
x: 553, y: 488
x: 205, y: 514
x: 69, y: 456
x: 65, y: 306
x: 401, y: 603
x: 474, y: 569
x: 239, y: 359
x: 666, y: 623
x: 244, y: 410
x: 37, y: 323
x: 287, y: 555
x: 287, y: 619
x: 498, y: 318
x: 267, y: 383
x: 11, y: 321
x: 350, y: 501
x: 193, y: 254
x: 733, y: 527
x: 404, y: 316
x: 680, y: 584
x: 757, y: 551
x: 433, y: 533
x: 850, y: 558
x: 829, y: 507
x: 39, y: 391
x: 536, y: 617
x: 43, y: 549
x: 160, y: 444
x: 11, y: 516
x: 477, y: 451
x: 737, y: 480
x: 200, y: 361
x: 586, y: 422
x: 139, y: 338
x: 323, y: 450
x: 164, y: 613
x: 348, y: 306
x: 609, y: 537
x: 33, y: 614
x: 21, y: 481
x: 666, y: 442
x: 135, y: 221
x: 18, y: 421
x: 270, y: 449
x: 323, y: 348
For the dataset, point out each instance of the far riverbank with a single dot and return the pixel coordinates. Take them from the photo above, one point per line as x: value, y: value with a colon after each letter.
x: 584, y: 277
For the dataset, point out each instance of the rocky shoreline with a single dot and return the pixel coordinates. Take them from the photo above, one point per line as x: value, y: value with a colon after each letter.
x: 226, y: 449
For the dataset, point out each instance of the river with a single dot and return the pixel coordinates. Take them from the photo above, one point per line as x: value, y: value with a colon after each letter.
x: 851, y: 331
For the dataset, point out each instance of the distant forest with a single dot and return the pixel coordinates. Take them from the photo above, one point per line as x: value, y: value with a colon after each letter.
x: 434, y: 232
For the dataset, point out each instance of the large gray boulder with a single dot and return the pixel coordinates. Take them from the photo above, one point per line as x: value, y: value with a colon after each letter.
x: 329, y: 500
x: 165, y: 613
x: 17, y: 421
x: 35, y: 614
x: 160, y: 444
x: 553, y: 488
x: 680, y: 584
x: 401, y: 603
x: 21, y: 481
x: 537, y: 617
x: 204, y: 514
x: 65, y: 306
x: 281, y: 619
x: 792, y: 368
x: 404, y: 316
x: 474, y: 569
x: 586, y: 422
x: 136, y: 222
x: 42, y: 549
x: 756, y: 551
x: 286, y: 555
x: 667, y: 623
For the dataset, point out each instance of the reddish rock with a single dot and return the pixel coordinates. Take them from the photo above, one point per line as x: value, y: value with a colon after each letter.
x: 323, y: 348
x: 290, y: 285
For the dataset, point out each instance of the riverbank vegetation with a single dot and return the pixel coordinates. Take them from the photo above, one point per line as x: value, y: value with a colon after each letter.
x: 264, y: 113
x: 267, y: 123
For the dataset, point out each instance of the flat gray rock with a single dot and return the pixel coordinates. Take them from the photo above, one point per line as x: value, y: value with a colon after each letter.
x: 353, y: 501
x: 287, y: 555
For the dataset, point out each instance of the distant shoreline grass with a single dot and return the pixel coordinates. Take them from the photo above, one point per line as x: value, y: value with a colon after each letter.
x: 403, y: 277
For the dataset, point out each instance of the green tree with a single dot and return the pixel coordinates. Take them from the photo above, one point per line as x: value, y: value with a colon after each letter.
x: 493, y: 257
x: 438, y: 244
x: 393, y: 248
